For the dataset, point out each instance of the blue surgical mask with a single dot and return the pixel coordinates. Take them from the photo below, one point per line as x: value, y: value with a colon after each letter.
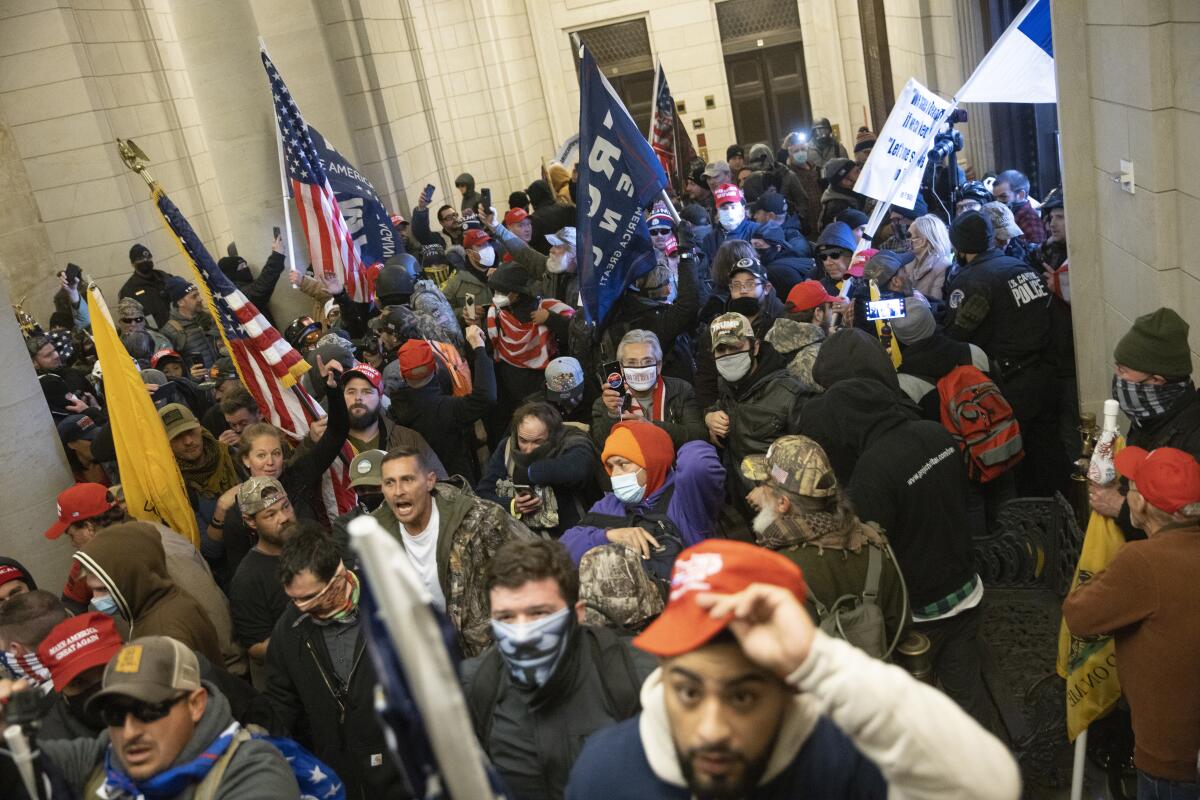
x: 627, y: 489
x: 532, y: 649
x: 105, y: 604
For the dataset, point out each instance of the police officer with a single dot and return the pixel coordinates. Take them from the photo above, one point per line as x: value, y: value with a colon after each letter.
x: 1001, y: 305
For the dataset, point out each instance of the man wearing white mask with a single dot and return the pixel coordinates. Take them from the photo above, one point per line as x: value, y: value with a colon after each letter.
x: 733, y: 221
x: 758, y: 400
x: 661, y: 500
x: 551, y: 680
x: 669, y: 403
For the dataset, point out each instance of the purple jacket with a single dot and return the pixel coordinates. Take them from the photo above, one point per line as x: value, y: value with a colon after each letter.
x: 699, y: 481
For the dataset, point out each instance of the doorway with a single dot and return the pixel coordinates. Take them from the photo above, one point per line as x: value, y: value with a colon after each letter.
x: 768, y: 93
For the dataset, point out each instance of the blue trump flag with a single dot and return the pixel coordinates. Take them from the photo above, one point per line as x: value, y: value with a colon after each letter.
x: 619, y: 176
x: 368, y: 221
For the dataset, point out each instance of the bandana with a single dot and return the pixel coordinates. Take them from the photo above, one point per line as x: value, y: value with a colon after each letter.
x: 837, y: 530
x: 26, y: 667
x: 337, y: 601
x: 214, y: 473
x: 532, y: 650
x: 1142, y: 401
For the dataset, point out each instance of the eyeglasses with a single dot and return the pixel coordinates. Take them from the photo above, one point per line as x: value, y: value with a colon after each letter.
x: 114, y: 712
x: 660, y: 231
x: 132, y: 320
x: 743, y: 286
x: 830, y: 256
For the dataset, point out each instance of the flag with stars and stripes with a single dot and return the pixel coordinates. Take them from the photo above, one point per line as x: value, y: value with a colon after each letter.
x: 268, y: 366
x: 331, y: 248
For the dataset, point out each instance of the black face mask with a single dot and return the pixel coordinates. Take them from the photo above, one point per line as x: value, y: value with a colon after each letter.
x: 77, y: 705
x: 571, y: 401
x: 369, y: 501
x: 746, y: 306
x: 144, y: 267
x: 524, y: 307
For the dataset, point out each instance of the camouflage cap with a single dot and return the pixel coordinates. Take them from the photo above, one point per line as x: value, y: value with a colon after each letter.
x: 616, y: 589
x: 730, y: 328
x: 258, y: 493
x: 796, y: 464
x: 128, y: 307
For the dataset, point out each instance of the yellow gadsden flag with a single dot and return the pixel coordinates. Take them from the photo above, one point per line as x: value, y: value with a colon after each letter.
x: 153, y: 485
x: 1089, y: 664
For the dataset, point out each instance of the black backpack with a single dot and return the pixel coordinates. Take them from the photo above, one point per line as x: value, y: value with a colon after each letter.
x: 659, y: 525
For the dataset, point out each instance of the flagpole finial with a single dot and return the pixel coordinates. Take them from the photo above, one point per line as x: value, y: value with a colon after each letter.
x: 135, y: 160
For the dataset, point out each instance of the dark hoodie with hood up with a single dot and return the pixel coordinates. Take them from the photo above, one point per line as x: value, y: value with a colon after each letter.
x: 901, y: 472
x: 472, y: 198
x: 549, y: 215
x: 133, y: 568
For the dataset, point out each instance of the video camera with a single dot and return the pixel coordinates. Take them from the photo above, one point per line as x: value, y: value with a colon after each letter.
x: 941, y: 184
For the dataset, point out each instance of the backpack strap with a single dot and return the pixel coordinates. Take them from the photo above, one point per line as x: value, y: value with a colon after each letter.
x: 618, y: 678
x: 874, y: 570
x: 207, y: 788
x: 903, y: 593
x: 483, y: 693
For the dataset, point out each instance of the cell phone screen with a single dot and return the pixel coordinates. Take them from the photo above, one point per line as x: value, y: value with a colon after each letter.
x: 885, y: 309
x: 612, y: 377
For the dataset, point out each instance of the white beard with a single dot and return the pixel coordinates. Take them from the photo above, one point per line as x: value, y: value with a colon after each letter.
x: 764, y: 519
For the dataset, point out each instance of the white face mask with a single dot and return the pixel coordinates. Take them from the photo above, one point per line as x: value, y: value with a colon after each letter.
x: 627, y: 489
x: 560, y: 262
x: 641, y: 379
x: 734, y: 367
x: 500, y: 300
x: 487, y: 256
x: 731, y: 215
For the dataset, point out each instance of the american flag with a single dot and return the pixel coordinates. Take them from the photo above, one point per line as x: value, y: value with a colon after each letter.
x: 267, y: 365
x: 668, y: 137
x: 330, y: 246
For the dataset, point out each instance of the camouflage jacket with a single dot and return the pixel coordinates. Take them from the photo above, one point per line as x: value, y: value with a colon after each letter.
x: 799, y: 343
x: 470, y: 530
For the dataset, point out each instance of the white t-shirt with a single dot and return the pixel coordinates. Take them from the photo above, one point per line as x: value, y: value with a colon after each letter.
x: 422, y: 552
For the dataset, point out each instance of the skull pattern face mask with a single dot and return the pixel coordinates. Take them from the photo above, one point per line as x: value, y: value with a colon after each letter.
x: 532, y: 649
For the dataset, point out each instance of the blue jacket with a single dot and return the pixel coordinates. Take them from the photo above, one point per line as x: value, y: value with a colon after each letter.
x: 613, y: 764
x: 699, y: 481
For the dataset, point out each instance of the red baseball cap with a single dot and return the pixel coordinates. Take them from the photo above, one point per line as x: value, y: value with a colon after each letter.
x: 514, y: 215
x: 157, y: 356
x: 77, y: 644
x: 475, y: 237
x: 715, y: 565
x: 808, y: 294
x: 78, y: 503
x: 416, y: 359
x: 366, y: 372
x: 1169, y: 479
x: 859, y: 261
x: 727, y: 193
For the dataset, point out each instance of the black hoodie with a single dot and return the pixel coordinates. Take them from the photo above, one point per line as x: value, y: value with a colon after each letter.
x: 472, y: 198
x: 903, y: 473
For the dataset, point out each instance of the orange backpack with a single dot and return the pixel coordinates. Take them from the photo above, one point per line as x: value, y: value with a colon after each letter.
x: 981, y: 422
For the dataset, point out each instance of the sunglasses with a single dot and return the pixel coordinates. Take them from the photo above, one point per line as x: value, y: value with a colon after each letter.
x: 114, y: 712
x: 132, y: 320
x: 830, y: 256
x: 660, y: 231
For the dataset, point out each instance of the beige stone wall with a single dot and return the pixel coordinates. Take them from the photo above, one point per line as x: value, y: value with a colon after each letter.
x: 1127, y: 90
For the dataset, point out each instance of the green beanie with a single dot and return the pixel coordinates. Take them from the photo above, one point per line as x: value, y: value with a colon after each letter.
x: 1157, y: 344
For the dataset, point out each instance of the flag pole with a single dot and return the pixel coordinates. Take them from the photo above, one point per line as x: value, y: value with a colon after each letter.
x: 283, y: 186
x: 1080, y: 762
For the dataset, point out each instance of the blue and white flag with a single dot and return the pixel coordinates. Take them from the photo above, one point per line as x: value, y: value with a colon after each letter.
x: 1020, y: 66
x: 368, y: 221
x: 619, y: 177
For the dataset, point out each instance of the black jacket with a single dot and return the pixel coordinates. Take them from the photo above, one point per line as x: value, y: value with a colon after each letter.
x: 549, y: 216
x: 1179, y: 427
x: 151, y: 291
x: 1001, y: 305
x: 706, y: 365
x: 336, y: 721
x: 762, y: 407
x: 683, y: 418
x: 260, y: 289
x: 932, y: 359
x: 533, y: 736
x: 903, y: 473
x: 444, y: 420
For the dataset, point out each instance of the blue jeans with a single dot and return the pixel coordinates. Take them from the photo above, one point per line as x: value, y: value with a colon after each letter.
x: 1152, y: 788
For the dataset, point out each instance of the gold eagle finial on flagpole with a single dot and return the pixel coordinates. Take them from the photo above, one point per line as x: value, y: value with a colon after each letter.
x: 135, y: 160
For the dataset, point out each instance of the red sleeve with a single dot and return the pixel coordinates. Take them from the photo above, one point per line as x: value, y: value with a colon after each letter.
x: 76, y: 587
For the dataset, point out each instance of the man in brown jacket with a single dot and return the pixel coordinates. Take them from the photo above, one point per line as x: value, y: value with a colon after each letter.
x: 1146, y: 599
x: 126, y: 569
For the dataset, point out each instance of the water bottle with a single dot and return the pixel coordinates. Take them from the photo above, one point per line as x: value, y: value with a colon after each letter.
x: 1103, y: 470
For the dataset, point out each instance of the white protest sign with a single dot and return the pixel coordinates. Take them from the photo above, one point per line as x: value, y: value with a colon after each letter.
x: 893, y: 171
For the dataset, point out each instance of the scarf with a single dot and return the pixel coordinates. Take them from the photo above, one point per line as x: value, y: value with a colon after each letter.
x: 170, y: 782
x: 26, y: 667
x: 836, y: 530
x: 215, y: 472
x: 1142, y: 401
x: 658, y: 402
x: 337, y: 601
x: 524, y: 344
x: 532, y: 650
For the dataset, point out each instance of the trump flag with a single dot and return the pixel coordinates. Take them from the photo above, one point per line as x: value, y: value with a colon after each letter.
x: 619, y: 177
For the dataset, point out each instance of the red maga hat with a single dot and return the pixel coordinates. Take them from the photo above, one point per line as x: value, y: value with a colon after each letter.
x: 715, y: 565
x: 77, y: 644
x: 1169, y: 479
x: 808, y: 294
x: 78, y: 503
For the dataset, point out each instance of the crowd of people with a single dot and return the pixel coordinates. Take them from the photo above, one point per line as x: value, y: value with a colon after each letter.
x: 678, y: 549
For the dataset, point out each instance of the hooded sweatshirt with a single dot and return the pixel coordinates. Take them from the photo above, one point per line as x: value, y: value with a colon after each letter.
x: 256, y: 769
x: 472, y: 197
x: 129, y: 560
x: 903, y: 473
x: 856, y: 728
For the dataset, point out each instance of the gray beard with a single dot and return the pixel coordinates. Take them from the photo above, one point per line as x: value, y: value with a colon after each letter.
x: 764, y: 519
